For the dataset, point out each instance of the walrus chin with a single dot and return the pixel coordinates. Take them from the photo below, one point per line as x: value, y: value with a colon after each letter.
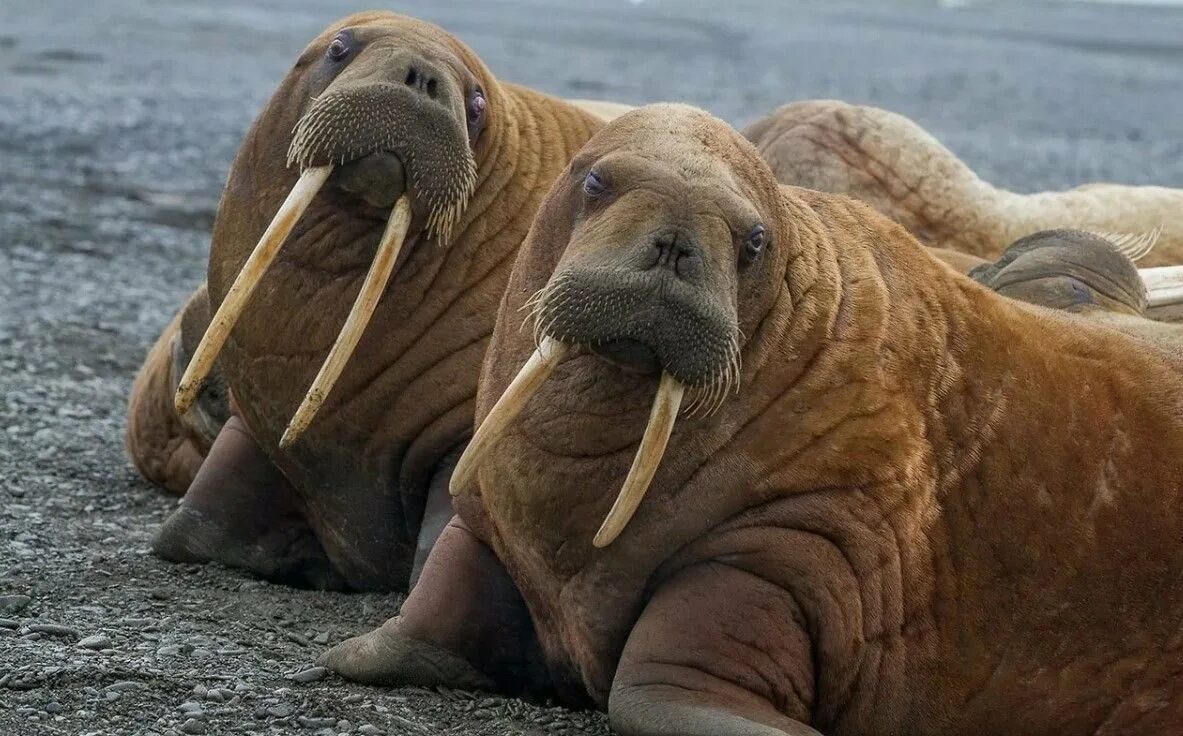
x: 538, y: 368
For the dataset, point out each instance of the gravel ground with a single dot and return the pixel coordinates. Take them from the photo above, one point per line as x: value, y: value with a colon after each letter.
x: 118, y: 120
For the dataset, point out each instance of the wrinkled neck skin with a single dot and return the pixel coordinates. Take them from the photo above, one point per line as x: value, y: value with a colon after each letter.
x: 905, y: 173
x: 406, y: 397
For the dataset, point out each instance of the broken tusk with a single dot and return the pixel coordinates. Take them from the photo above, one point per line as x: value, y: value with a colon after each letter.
x: 548, y: 355
x: 649, y: 454
x: 1164, y: 285
x: 355, y: 324
x: 244, y: 284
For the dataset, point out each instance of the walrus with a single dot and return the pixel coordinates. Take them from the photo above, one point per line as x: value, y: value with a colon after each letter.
x: 364, y: 236
x: 901, y: 170
x: 905, y: 504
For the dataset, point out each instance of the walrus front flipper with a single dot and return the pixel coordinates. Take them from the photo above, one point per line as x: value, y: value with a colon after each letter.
x: 242, y: 512
x: 165, y: 447
x: 717, y: 651
x: 1072, y: 270
x: 463, y: 626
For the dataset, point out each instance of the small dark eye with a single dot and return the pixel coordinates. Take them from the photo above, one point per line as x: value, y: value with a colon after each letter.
x: 593, y: 185
x: 757, y: 238
x: 339, y: 48
x: 477, y: 104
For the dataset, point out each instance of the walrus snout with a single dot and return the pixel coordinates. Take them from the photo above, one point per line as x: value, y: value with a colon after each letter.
x: 642, y: 319
x: 353, y: 123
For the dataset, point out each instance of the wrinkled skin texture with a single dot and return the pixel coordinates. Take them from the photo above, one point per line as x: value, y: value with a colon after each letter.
x: 929, y: 509
x: 343, y: 507
x: 899, y: 169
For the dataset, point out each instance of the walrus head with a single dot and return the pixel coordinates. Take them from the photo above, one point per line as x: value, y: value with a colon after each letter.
x: 389, y: 111
x: 664, y: 261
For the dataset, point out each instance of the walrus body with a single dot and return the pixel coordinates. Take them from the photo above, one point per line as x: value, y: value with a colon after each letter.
x: 927, y: 509
x: 395, y: 99
x: 899, y: 169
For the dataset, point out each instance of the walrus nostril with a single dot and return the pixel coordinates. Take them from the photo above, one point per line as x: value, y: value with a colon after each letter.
x: 679, y: 253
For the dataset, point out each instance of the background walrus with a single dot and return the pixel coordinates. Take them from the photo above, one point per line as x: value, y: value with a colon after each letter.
x: 926, y: 508
x: 898, y: 168
x: 407, y: 156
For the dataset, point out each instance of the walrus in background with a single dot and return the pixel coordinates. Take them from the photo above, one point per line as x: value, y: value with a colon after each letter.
x: 899, y: 169
x: 388, y: 184
x: 906, y: 505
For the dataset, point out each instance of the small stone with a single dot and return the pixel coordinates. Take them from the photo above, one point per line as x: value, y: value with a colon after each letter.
x: 321, y: 638
x: 14, y: 603
x: 53, y: 708
x: 7, y: 623
x: 283, y: 710
x: 96, y: 641
x: 122, y: 686
x: 312, y: 674
x: 368, y: 729
x: 307, y: 722
x: 354, y: 698
x: 192, y: 726
x: 54, y: 630
x: 190, y: 708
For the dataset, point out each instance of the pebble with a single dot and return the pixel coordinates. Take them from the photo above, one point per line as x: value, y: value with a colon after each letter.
x: 54, y: 630
x: 7, y: 623
x: 321, y: 638
x: 307, y: 722
x: 280, y: 711
x: 14, y: 603
x: 368, y: 729
x: 354, y: 698
x: 190, y: 708
x: 53, y: 707
x: 192, y: 726
x: 122, y: 686
x: 95, y: 641
x: 312, y: 674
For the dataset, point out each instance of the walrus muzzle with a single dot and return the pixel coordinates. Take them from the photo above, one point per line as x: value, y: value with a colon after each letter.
x: 342, y: 126
x: 523, y: 387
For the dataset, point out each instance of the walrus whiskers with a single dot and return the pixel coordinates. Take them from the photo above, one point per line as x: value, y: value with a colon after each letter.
x: 648, y: 457
x: 523, y: 387
x: 244, y: 284
x: 355, y: 324
x: 1164, y: 284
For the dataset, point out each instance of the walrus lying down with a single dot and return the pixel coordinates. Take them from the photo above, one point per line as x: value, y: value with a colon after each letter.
x: 361, y: 246
x: 905, y: 505
x: 899, y: 169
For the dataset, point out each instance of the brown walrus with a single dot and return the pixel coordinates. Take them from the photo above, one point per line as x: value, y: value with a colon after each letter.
x: 409, y: 163
x: 918, y: 507
x: 899, y: 169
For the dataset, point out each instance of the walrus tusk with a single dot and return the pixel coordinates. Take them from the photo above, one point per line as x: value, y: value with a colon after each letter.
x: 527, y: 382
x: 1164, y: 284
x: 355, y: 324
x: 244, y: 284
x: 649, y: 454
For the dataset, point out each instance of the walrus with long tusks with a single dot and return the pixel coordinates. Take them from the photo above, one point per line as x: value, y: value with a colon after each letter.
x: 901, y: 170
x: 362, y: 242
x: 900, y: 503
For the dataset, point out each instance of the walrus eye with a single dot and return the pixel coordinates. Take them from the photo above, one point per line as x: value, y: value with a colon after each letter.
x: 593, y: 185
x: 754, y: 243
x: 339, y: 48
x: 477, y: 106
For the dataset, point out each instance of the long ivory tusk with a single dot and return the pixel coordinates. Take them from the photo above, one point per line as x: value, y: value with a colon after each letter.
x: 548, y: 355
x: 1164, y: 285
x: 649, y: 454
x: 355, y: 324
x: 244, y: 284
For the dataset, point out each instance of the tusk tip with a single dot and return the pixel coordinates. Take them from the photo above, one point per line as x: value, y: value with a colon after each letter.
x: 290, y: 435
